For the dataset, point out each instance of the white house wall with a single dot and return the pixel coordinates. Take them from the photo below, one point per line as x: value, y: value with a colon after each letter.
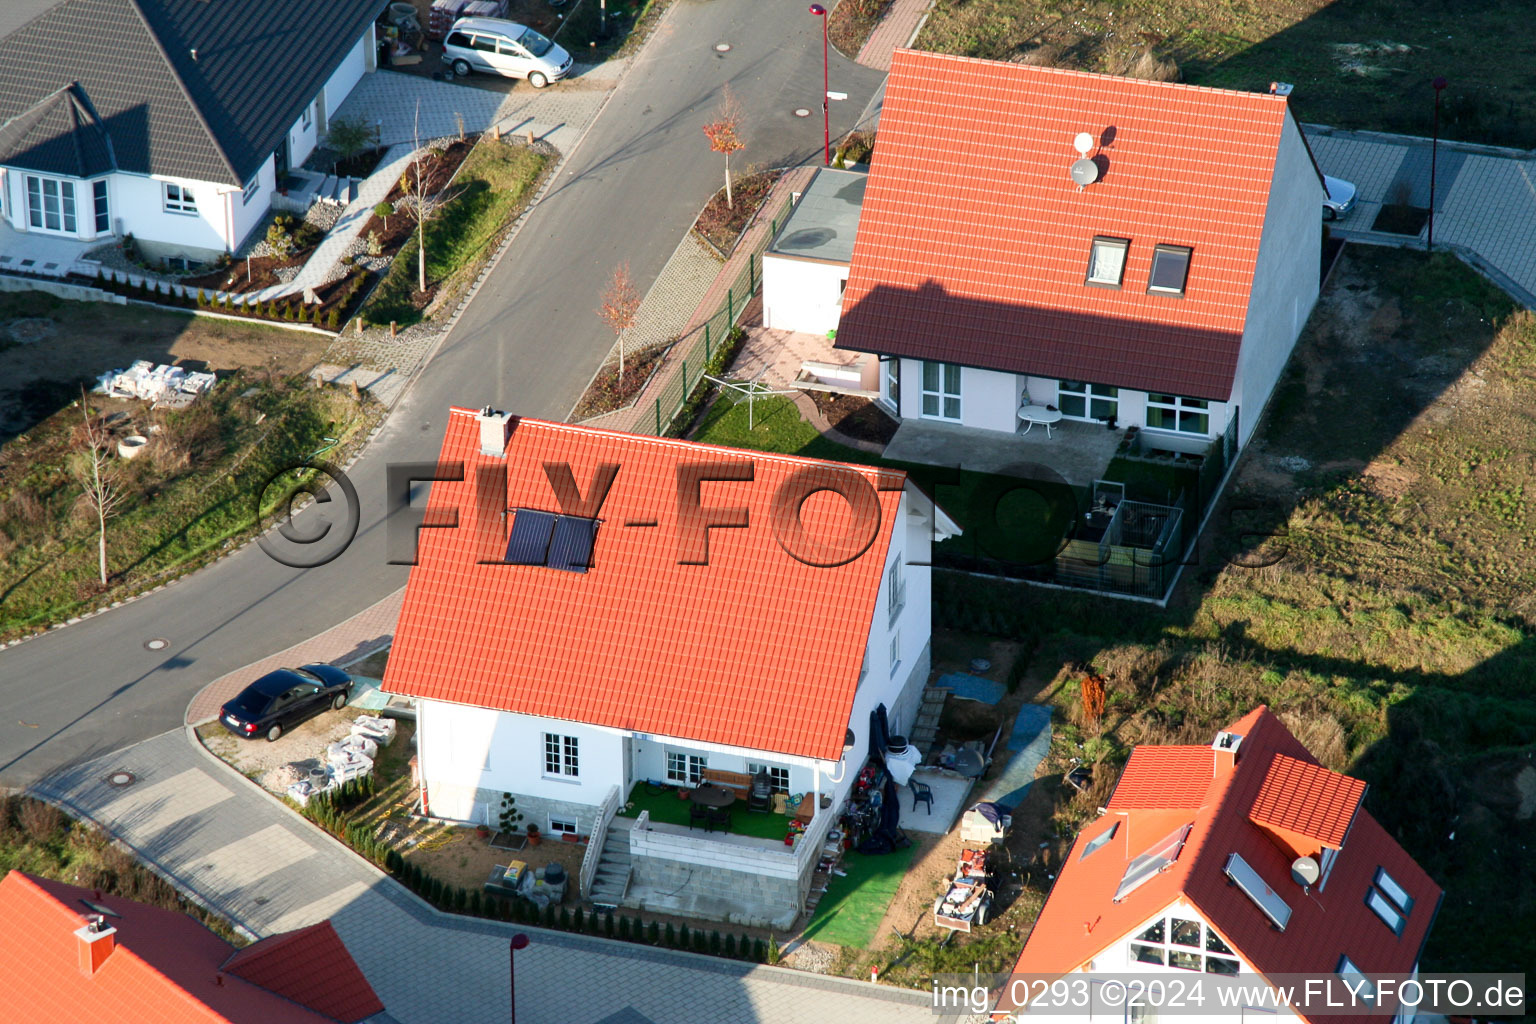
x: 802, y: 295
x: 139, y: 201
x: 469, y: 756
x: 1285, y: 285
x: 346, y: 77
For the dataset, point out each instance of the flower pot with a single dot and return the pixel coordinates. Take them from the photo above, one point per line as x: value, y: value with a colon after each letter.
x: 131, y: 445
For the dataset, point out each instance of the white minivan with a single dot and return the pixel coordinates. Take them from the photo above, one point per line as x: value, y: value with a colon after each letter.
x: 504, y: 48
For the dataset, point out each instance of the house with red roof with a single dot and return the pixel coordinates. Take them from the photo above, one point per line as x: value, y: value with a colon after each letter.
x: 589, y: 610
x: 69, y: 954
x: 1244, y: 859
x: 1039, y: 239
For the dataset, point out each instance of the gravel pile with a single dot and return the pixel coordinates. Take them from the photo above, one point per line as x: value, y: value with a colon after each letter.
x: 323, y: 215
x: 811, y: 957
x: 283, y: 776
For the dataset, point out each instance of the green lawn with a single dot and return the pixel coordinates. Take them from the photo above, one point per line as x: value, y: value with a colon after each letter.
x: 855, y: 904
x: 1005, y: 518
x: 665, y: 807
x: 494, y: 184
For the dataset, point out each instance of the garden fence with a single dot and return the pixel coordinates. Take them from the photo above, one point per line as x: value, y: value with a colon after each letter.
x: 698, y: 350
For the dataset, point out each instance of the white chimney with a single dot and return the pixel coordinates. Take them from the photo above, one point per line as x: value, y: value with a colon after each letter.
x: 1225, y: 746
x: 495, y: 430
x: 1280, y: 88
x: 94, y: 943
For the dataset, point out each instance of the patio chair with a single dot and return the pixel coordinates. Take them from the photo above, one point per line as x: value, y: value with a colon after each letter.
x: 721, y: 817
x: 698, y: 814
x: 760, y: 796
x: 921, y: 792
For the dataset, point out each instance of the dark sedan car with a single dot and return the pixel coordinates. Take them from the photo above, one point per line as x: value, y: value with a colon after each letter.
x: 281, y: 700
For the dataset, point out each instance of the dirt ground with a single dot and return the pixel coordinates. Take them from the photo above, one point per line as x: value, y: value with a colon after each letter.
x: 465, y: 859
x: 48, y: 347
x: 303, y: 747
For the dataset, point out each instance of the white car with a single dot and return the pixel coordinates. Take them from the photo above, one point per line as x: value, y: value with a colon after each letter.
x: 1340, y: 198
x: 504, y: 48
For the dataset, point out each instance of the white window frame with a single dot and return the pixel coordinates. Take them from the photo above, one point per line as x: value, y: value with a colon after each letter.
x: 180, y: 201
x: 1202, y: 950
x: 101, y: 207
x: 688, y: 770
x: 306, y: 118
x: 778, y: 775
x: 1096, y: 398
x: 1180, y: 407
x: 1104, y: 244
x: 1170, y: 251
x: 946, y: 402
x: 562, y: 827
x: 895, y: 650
x: 895, y: 591
x: 892, y: 381
x: 64, y: 212
x: 251, y: 189
x: 562, y: 756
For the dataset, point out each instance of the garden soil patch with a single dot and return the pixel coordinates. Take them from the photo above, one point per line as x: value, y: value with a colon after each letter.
x: 858, y: 418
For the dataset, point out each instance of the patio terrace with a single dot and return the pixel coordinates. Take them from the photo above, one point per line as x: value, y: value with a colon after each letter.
x: 1079, y: 452
x: 666, y: 809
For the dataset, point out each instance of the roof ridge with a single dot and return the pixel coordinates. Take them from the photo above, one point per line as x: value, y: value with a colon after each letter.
x: 686, y: 443
x: 262, y: 948
x: 1077, y: 73
x: 186, y: 94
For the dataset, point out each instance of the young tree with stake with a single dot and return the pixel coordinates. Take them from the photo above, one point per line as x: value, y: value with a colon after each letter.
x: 93, y: 468
x: 724, y: 134
x: 621, y: 304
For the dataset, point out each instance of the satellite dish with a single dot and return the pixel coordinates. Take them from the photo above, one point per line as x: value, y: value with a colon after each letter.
x: 1084, y: 172
x: 1083, y: 143
x: 1305, y: 871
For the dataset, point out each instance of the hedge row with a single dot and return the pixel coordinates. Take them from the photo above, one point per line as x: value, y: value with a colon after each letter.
x: 287, y: 311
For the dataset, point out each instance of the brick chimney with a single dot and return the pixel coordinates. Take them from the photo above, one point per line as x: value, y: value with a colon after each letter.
x: 495, y: 429
x: 1225, y: 747
x: 94, y: 943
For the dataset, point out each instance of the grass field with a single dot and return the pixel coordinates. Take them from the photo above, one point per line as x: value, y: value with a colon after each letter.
x: 495, y: 182
x: 1355, y: 63
x: 1371, y: 577
x: 854, y: 904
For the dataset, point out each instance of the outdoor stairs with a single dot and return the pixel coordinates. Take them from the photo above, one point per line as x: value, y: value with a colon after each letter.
x: 340, y: 190
x: 611, y: 882
x: 926, y: 728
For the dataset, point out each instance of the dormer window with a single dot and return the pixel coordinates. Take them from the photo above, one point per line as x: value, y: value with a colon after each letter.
x: 1106, y: 262
x: 1170, y: 269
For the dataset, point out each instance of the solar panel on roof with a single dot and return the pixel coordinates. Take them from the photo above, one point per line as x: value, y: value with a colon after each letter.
x: 571, y: 547
x: 529, y: 543
x: 1247, y: 879
x: 1144, y: 868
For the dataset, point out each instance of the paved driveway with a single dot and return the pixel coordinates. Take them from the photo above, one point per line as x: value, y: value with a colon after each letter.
x: 1485, y: 198
x: 270, y: 870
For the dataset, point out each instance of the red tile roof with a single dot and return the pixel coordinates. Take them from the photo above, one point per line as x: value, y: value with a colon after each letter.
x: 1308, y: 799
x: 1081, y: 919
x: 1163, y: 777
x: 165, y: 966
x: 756, y: 649
x: 973, y: 243
x: 312, y: 967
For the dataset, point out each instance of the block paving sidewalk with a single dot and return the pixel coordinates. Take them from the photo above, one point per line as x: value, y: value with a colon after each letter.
x: 359, y: 636
x: 710, y: 301
x: 247, y: 856
x: 897, y: 28
x: 1485, y: 198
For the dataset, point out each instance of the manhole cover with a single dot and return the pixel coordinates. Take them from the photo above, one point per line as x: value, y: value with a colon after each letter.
x: 157, y: 644
x: 802, y: 112
x: 121, y: 779
x: 722, y: 47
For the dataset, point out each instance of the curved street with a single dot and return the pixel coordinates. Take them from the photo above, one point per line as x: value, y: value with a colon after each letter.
x: 528, y: 342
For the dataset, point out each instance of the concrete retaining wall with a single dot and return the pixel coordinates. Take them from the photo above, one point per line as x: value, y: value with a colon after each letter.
x: 63, y: 289
x: 761, y: 886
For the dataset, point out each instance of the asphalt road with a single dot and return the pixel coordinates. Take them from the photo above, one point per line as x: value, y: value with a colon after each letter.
x: 528, y: 343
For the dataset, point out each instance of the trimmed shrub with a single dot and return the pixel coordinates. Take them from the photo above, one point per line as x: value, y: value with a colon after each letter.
x: 460, y: 900
x: 700, y: 941
x: 578, y: 920
x: 549, y: 915
x: 759, y: 951
x: 475, y: 907
x: 610, y: 929
x: 684, y: 937
x: 565, y: 919
x: 730, y: 946
x: 653, y: 934
x: 671, y: 935
x: 714, y: 943
x: 624, y: 932
x: 333, y: 318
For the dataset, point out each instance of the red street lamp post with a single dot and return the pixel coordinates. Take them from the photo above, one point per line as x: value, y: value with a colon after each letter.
x: 1439, y: 85
x: 826, y: 84
x: 519, y: 941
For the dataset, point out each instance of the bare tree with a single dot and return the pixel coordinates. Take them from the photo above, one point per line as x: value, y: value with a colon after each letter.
x: 621, y: 305
x: 97, y: 475
x: 416, y: 202
x: 724, y: 134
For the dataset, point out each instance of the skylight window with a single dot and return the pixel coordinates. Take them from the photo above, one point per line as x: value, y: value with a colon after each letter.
x: 1357, y: 980
x: 1247, y: 879
x: 1098, y: 841
x: 552, y: 541
x: 1106, y: 262
x: 1144, y: 868
x: 1389, y: 900
x: 1170, y: 269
